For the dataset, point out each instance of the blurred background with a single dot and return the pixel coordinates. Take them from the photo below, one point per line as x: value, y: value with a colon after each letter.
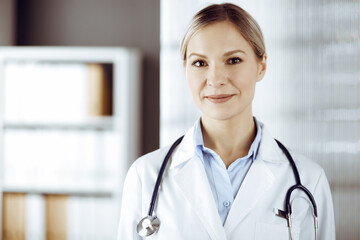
x: 86, y: 86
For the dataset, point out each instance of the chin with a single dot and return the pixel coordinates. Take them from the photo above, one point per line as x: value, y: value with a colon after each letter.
x: 227, y: 113
x: 220, y: 116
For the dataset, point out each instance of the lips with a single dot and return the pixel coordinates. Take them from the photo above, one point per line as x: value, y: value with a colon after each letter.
x: 219, y: 98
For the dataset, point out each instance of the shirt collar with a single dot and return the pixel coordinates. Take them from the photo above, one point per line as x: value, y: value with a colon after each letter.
x: 198, y: 138
x: 256, y: 143
x: 199, y: 141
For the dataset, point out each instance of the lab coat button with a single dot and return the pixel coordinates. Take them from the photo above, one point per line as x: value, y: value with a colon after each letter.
x: 226, y: 203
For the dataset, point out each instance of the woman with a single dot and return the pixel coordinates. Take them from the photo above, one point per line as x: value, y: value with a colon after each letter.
x: 228, y: 175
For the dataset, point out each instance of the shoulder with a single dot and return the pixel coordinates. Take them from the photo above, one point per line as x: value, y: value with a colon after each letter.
x: 152, y: 157
x: 271, y: 152
x: 311, y: 172
x: 149, y: 163
x: 152, y: 161
x: 306, y: 164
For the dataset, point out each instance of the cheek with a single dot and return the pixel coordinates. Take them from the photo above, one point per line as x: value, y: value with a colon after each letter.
x: 194, y: 80
x: 244, y: 79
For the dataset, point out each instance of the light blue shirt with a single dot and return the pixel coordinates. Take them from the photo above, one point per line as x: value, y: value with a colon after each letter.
x: 224, y: 183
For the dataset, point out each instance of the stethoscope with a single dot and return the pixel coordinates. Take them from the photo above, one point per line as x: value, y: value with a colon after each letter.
x: 150, y: 224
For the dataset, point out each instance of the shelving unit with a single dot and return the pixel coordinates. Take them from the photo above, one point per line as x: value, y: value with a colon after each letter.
x: 121, y: 130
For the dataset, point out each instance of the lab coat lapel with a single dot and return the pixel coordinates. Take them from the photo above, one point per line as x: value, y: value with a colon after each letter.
x: 192, y: 181
x: 254, y: 187
x: 257, y: 181
x: 190, y: 176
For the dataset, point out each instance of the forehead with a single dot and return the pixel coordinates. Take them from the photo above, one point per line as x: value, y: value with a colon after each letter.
x: 217, y: 38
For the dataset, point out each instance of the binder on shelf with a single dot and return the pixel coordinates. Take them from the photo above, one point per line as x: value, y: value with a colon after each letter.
x: 100, y: 89
x: 13, y: 216
x: 56, y: 217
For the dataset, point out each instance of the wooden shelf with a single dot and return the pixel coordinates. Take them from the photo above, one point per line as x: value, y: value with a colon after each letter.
x: 53, y: 191
x: 101, y: 123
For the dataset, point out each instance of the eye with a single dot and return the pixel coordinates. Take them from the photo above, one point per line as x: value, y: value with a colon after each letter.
x: 199, y: 63
x: 234, y: 60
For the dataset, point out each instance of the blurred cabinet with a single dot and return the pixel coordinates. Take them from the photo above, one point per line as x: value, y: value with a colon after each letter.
x: 69, y: 130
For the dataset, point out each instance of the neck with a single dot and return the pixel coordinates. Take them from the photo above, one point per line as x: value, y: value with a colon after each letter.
x: 231, y: 139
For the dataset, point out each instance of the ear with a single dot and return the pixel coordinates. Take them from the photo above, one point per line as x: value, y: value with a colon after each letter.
x: 262, y: 68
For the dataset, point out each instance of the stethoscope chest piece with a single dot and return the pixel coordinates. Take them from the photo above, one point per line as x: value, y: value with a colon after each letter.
x: 148, y: 225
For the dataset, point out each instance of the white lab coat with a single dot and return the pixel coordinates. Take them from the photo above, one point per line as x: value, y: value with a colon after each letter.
x: 186, y: 207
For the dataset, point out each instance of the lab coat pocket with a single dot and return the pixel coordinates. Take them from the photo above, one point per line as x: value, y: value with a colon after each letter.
x: 266, y: 231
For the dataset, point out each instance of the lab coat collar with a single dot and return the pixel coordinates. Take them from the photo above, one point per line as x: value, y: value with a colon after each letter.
x: 256, y: 184
x: 268, y: 151
x: 185, y: 151
x: 196, y: 188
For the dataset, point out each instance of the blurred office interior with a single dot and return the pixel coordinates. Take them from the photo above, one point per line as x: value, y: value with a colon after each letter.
x: 308, y: 98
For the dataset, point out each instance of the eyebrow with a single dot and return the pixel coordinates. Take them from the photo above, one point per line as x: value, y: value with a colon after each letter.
x: 196, y: 54
x: 234, y: 51
x: 225, y: 54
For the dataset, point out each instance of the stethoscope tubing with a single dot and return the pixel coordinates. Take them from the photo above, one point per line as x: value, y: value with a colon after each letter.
x: 287, y: 204
x: 159, y: 177
x: 298, y: 184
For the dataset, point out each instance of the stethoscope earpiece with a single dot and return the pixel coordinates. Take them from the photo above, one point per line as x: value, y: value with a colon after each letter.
x: 147, y: 226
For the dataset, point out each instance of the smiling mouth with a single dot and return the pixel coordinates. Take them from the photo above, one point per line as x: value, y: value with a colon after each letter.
x: 221, y: 98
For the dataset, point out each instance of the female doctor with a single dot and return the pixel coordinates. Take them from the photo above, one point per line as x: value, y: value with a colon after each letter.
x: 228, y: 177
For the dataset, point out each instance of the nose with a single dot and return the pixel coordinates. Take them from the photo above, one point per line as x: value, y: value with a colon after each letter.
x: 216, y: 76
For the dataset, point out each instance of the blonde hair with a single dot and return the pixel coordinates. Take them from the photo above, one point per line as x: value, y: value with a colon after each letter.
x: 242, y: 20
